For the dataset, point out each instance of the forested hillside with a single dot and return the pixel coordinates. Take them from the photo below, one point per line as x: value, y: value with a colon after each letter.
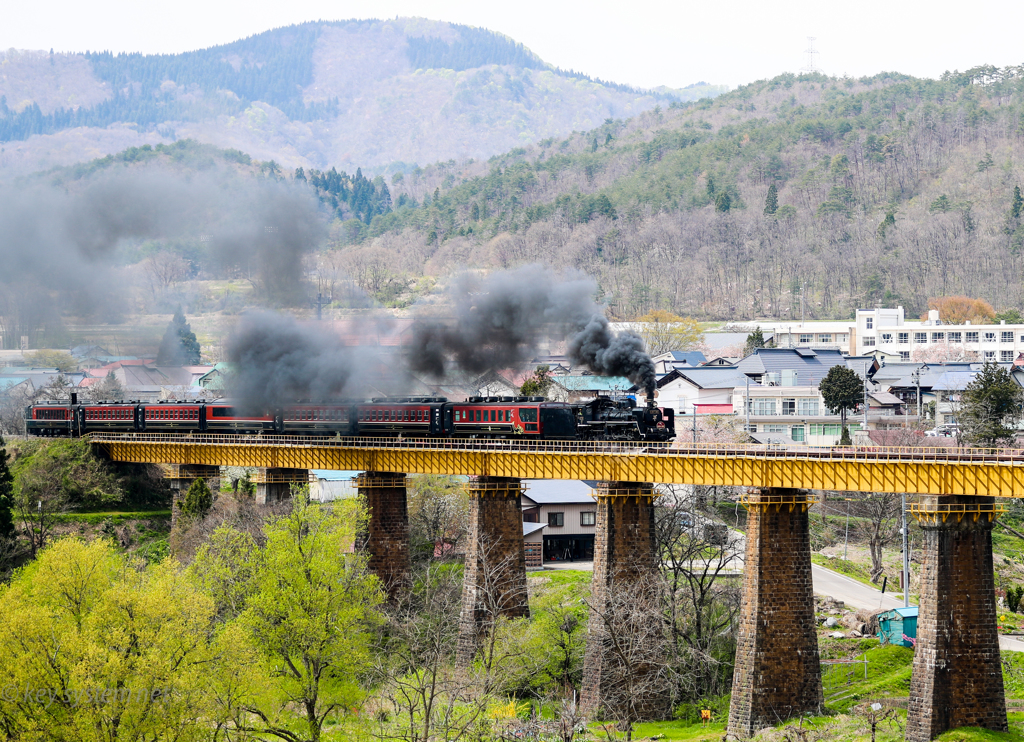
x: 379, y: 92
x: 882, y: 190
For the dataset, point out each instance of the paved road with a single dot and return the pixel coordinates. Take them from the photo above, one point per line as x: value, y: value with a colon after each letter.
x: 858, y: 595
x: 855, y: 594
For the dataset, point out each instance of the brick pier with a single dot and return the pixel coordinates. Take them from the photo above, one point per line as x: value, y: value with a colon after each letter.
x: 495, y: 578
x: 957, y: 679
x: 778, y: 670
x: 387, y: 533
x: 624, y: 580
x: 275, y: 485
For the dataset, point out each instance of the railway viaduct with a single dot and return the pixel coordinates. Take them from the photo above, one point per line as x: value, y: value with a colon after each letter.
x: 957, y: 675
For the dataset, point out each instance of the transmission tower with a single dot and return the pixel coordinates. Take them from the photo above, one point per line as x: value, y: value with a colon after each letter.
x: 810, y: 52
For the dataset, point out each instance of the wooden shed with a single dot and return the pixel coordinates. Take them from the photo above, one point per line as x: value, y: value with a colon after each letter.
x: 898, y: 626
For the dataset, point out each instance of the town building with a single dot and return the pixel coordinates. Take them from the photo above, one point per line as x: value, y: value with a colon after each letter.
x: 931, y: 340
x: 569, y: 511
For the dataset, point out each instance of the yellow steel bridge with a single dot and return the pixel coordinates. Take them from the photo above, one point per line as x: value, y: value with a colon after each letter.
x: 928, y: 471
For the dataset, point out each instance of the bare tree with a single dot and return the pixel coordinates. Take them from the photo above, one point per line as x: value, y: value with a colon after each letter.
x: 39, y: 502
x: 164, y: 269
x: 700, y: 603
x: 12, y: 409
x: 438, y: 516
x: 883, y: 510
x: 422, y: 695
x: 635, y: 672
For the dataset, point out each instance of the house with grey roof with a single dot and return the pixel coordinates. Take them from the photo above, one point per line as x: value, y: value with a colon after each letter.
x: 782, y: 398
x: 571, y: 388
x: 674, y: 359
x: 568, y: 512
x: 706, y: 389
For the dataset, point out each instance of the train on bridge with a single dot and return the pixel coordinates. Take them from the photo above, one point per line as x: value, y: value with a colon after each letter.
x: 521, y: 418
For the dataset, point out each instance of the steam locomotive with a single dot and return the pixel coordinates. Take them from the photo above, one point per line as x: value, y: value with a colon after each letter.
x: 520, y: 418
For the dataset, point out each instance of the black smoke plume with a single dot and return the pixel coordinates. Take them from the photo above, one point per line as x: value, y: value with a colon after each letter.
x: 279, y: 360
x: 499, y: 321
x: 59, y: 247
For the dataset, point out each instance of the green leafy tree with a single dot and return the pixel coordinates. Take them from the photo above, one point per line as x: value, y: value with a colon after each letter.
x: 755, y: 340
x: 842, y: 389
x: 771, y: 201
x: 310, y: 619
x: 58, y: 359
x: 1010, y: 317
x: 179, y: 346
x: 986, y: 163
x: 198, y: 500
x: 538, y: 384
x: 990, y: 407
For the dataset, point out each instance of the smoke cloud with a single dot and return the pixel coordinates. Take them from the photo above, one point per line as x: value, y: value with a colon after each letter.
x: 59, y: 249
x: 500, y: 320
x: 279, y: 360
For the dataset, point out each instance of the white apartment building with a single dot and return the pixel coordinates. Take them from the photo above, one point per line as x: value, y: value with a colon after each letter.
x: 832, y: 335
x: 931, y: 340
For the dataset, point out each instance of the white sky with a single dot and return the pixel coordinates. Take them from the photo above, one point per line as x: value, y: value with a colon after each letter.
x: 644, y: 42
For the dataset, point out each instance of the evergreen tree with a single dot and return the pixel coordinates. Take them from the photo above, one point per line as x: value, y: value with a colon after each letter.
x: 711, y: 188
x: 6, y: 495
x: 842, y: 389
x: 198, y: 500
x: 771, y: 201
x: 889, y: 221
x: 723, y: 203
x: 1016, y: 203
x: 990, y: 407
x: 179, y: 346
x: 755, y: 340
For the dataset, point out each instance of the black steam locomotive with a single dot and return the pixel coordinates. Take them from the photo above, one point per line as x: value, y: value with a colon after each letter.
x: 521, y: 418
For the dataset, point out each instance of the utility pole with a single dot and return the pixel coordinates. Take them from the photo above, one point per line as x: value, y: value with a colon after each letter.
x: 865, y: 399
x: 746, y: 403
x: 695, y: 423
x: 906, y: 555
x: 846, y: 541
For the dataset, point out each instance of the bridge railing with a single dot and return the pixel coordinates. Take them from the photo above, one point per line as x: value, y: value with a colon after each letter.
x: 875, y: 454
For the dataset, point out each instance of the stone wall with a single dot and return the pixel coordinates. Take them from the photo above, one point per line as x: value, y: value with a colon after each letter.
x: 957, y: 679
x: 778, y: 670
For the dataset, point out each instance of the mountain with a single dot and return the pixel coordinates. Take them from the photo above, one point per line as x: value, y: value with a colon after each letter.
x: 831, y: 192
x: 375, y: 94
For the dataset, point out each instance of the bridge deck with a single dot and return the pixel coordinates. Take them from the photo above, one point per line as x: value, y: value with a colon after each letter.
x: 933, y: 471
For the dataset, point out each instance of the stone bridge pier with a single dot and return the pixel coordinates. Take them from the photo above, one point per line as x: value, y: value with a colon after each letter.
x: 622, y: 639
x: 957, y: 678
x: 494, y: 584
x: 275, y: 484
x: 387, y: 532
x: 778, y: 670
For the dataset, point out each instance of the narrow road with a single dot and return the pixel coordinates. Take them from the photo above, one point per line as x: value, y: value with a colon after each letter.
x: 860, y: 596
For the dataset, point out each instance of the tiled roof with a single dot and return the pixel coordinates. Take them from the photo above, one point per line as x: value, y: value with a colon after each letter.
x: 529, y: 528
x: 810, y: 364
x: 558, y: 491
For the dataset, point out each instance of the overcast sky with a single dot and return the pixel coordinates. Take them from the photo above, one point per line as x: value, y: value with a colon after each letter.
x: 643, y: 42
